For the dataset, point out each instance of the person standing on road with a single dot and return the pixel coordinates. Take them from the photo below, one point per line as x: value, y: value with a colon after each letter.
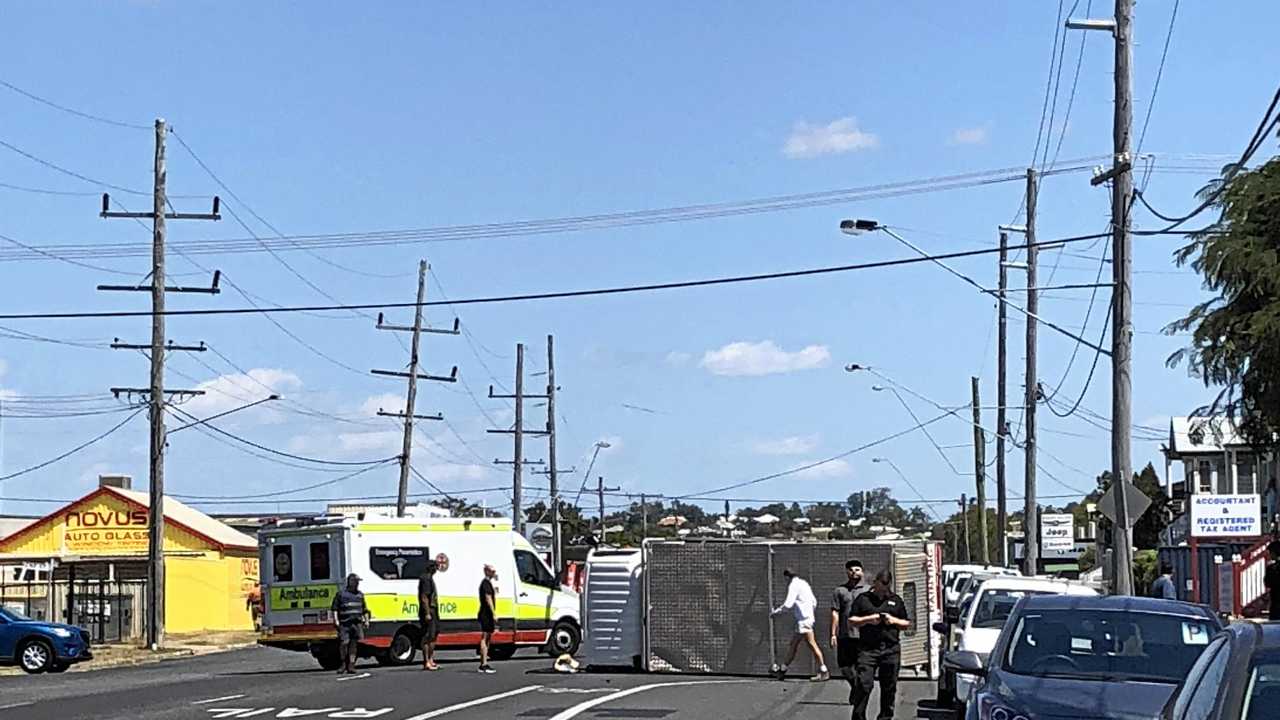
x: 844, y: 636
x: 488, y: 615
x: 1272, y: 580
x: 1163, y: 586
x: 350, y: 615
x: 801, y: 602
x: 429, y: 615
x: 879, y: 615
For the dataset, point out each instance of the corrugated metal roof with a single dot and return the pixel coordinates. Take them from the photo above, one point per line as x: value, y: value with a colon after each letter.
x: 192, y: 519
x: 1193, y: 435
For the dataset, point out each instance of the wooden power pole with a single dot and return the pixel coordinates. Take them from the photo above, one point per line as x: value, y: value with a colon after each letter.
x: 1030, y: 508
x: 980, y: 474
x: 411, y: 397
x: 1002, y: 423
x: 518, y: 431
x: 155, y: 394
x: 556, y: 550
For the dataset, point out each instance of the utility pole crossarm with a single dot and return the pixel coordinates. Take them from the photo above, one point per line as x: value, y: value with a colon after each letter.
x: 401, y: 416
x: 522, y: 431
x: 108, y: 213
x: 456, y: 329
x: 451, y: 377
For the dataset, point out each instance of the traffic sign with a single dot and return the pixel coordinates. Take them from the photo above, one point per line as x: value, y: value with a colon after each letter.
x: 1137, y: 502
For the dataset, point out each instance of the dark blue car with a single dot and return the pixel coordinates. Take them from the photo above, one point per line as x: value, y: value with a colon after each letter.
x: 1063, y: 657
x: 37, y: 646
x: 1236, y: 678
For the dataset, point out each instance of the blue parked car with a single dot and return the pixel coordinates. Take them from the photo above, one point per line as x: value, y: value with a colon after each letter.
x: 1063, y: 657
x: 37, y: 646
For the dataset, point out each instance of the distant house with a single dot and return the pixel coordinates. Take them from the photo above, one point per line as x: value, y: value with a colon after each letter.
x: 1208, y: 456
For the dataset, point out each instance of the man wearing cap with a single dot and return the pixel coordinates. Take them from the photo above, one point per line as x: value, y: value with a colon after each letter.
x: 429, y: 615
x: 844, y: 636
x: 350, y: 615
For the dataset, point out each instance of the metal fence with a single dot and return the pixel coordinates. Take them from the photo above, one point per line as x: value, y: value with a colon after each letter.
x: 709, y: 601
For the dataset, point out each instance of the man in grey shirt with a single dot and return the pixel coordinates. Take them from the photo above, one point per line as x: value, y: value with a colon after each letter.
x: 844, y: 637
x: 1163, y: 586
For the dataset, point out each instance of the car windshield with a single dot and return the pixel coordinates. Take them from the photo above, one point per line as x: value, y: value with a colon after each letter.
x: 1111, y: 645
x: 995, y: 605
x: 1263, y: 695
x: 13, y: 615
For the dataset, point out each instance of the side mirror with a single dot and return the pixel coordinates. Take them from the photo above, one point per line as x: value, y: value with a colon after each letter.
x: 964, y: 662
x: 941, y: 627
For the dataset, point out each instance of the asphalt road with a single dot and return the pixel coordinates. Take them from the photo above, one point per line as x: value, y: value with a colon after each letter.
x: 264, y: 683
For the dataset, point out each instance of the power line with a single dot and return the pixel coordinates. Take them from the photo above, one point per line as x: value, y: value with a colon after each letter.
x: 72, y: 451
x: 1075, y: 81
x: 72, y: 111
x: 280, y: 493
x: 543, y: 295
x: 1155, y: 88
x: 281, y: 453
x: 70, y: 173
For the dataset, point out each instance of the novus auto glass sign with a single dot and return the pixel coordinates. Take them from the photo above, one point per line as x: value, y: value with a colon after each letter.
x: 104, y: 531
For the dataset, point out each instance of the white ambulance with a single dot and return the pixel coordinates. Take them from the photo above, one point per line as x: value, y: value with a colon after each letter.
x: 304, y: 562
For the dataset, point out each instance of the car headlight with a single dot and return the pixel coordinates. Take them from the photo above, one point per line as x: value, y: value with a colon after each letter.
x: 62, y: 632
x: 989, y: 708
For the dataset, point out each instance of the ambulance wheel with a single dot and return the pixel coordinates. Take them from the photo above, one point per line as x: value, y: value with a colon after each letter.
x: 327, y: 655
x: 565, y: 639
x: 401, y: 650
x: 502, y: 652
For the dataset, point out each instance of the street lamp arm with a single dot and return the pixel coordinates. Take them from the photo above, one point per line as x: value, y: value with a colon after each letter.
x: 255, y: 403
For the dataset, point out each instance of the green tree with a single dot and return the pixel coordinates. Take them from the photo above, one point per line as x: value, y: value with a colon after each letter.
x: 1235, y: 335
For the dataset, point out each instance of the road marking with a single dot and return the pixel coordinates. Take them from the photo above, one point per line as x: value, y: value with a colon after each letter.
x: 473, y: 703
x: 16, y: 705
x: 578, y: 709
x: 354, y: 677
x: 211, y: 700
x: 577, y: 691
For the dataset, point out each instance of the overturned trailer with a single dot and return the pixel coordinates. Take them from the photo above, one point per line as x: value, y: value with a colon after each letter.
x: 703, y: 606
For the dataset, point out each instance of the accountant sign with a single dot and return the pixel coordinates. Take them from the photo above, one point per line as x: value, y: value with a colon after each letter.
x: 1215, y: 516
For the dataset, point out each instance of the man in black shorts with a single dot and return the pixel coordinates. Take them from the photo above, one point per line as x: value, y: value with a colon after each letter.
x: 844, y: 636
x: 350, y: 615
x: 429, y: 615
x: 879, y: 616
x: 488, y: 615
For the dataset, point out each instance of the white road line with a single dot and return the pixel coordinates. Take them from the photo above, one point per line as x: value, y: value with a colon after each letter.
x: 354, y: 677
x: 576, y: 691
x: 211, y: 700
x: 16, y: 705
x: 473, y: 703
x: 578, y: 709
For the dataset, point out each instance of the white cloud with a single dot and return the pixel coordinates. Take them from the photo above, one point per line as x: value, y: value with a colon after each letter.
x: 832, y: 469
x: 969, y: 136
x: 792, y: 445
x: 763, y: 358
x: 228, y: 392
x: 836, y: 137
x: 390, y: 402
x: 367, y: 445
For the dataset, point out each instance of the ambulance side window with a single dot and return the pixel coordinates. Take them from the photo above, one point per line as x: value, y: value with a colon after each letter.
x: 531, y: 571
x: 320, y: 561
x: 282, y: 563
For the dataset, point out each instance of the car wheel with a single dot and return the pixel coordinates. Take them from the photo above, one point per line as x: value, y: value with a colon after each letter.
x: 565, y: 639
x: 35, y: 656
x: 401, y: 651
x: 502, y: 652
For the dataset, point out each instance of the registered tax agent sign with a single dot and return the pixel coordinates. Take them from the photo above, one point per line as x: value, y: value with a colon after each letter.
x: 1226, y: 516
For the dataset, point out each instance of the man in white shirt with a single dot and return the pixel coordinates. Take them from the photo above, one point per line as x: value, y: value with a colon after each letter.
x: 802, y: 604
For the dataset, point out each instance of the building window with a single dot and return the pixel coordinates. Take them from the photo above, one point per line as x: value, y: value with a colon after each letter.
x: 320, y: 561
x: 1204, y: 482
x: 1246, y: 480
x: 398, y: 563
x: 1224, y: 478
x: 909, y: 599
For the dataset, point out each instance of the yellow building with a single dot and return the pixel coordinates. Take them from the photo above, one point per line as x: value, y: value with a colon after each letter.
x: 97, y: 548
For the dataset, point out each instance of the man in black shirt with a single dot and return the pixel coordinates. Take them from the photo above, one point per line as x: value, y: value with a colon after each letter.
x: 429, y: 615
x: 350, y: 615
x: 844, y: 636
x: 488, y: 615
x: 1272, y: 580
x: 879, y: 616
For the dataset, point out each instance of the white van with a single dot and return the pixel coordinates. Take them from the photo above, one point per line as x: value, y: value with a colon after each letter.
x: 305, y: 561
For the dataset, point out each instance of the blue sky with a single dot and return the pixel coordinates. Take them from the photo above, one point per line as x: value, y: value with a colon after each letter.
x: 329, y: 119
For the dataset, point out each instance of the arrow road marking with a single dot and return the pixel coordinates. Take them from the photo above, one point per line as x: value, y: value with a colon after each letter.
x: 473, y: 703
x: 353, y: 677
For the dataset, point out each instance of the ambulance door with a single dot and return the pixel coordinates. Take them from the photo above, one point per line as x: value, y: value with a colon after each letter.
x: 534, y: 586
x: 303, y: 572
